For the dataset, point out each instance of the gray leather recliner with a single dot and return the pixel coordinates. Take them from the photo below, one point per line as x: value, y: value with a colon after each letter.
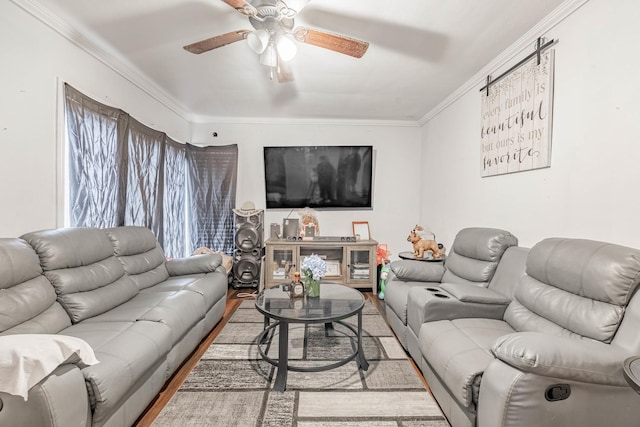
x: 473, y: 260
x: 555, y: 357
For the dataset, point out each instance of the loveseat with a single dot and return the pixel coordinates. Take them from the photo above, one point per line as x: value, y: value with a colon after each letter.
x: 541, y: 344
x: 112, y: 291
x: 473, y: 260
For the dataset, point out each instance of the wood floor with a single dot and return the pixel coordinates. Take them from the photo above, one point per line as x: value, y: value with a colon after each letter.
x: 234, y: 298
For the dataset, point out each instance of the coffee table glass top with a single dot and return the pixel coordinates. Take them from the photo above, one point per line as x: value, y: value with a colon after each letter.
x: 335, y: 302
x: 632, y: 372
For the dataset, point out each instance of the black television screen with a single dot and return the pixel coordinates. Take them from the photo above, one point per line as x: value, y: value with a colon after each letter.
x: 336, y: 177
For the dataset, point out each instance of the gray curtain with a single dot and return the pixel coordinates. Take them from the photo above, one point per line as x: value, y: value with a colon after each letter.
x: 122, y: 172
x: 174, y: 199
x: 97, y: 161
x: 211, y: 184
x: 145, y: 178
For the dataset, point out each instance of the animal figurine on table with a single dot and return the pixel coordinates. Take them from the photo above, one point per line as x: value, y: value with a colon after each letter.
x: 422, y: 245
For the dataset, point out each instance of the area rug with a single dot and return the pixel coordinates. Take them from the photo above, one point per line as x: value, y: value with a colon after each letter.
x: 231, y: 384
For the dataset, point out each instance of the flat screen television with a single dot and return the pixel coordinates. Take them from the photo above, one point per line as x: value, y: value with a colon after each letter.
x: 333, y: 177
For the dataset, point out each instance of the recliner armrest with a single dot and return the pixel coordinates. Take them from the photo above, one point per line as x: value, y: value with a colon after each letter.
x: 432, y: 303
x: 418, y: 271
x: 203, y: 263
x: 563, y: 357
x: 479, y: 294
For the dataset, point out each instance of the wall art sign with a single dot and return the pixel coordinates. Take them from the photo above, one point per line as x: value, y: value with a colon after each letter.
x: 517, y: 117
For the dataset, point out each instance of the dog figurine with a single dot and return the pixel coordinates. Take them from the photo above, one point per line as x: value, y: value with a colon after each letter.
x: 420, y: 245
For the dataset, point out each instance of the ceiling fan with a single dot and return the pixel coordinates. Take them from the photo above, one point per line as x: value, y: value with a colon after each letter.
x: 273, y: 35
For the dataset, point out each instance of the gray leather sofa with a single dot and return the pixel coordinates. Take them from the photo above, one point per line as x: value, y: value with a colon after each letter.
x: 548, y: 349
x: 114, y: 289
x: 473, y: 260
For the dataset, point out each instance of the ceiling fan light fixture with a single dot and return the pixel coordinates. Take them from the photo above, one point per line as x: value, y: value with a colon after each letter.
x: 258, y: 40
x: 286, y: 48
x: 268, y: 57
x: 296, y: 5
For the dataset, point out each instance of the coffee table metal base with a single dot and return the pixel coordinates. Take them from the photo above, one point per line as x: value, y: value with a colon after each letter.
x: 282, y: 362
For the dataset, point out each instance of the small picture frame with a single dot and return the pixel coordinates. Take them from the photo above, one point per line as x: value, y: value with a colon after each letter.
x: 309, y: 230
x: 361, y: 230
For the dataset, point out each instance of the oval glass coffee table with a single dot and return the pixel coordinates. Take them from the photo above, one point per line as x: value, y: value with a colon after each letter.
x: 335, y: 303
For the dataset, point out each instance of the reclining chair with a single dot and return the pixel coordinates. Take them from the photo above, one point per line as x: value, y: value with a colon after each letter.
x: 555, y: 357
x: 473, y: 260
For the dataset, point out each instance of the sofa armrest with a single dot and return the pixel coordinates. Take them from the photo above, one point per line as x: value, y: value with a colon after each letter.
x: 59, y: 400
x: 203, y: 263
x: 479, y: 294
x: 27, y: 359
x: 417, y: 271
x: 563, y: 357
x: 433, y: 303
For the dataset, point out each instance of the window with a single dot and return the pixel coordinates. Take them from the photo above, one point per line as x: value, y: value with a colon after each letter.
x: 122, y: 172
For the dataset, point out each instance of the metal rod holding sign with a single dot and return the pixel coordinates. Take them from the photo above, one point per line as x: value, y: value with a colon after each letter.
x: 537, y: 53
x: 517, y: 116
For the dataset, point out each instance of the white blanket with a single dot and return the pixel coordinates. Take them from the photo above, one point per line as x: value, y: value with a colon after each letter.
x: 26, y: 359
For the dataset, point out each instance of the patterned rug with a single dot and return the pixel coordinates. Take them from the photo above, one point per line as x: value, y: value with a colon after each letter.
x: 231, y: 384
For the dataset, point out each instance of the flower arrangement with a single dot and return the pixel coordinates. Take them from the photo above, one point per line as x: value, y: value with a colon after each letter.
x: 314, y: 268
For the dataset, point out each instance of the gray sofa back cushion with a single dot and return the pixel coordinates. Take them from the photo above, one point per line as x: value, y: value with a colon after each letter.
x: 27, y: 299
x: 475, y: 254
x: 79, y: 262
x: 510, y: 270
x: 140, y: 254
x: 575, y: 287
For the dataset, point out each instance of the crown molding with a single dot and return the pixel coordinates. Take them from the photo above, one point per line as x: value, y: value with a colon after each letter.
x: 525, y: 42
x: 200, y: 120
x: 119, y: 65
x: 138, y: 79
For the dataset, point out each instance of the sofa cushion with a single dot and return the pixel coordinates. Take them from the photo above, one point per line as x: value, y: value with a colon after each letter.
x: 596, y: 270
x: 27, y: 299
x: 140, y: 254
x: 51, y: 321
x: 468, y: 271
x: 484, y: 244
x: 211, y: 286
x: 181, y: 311
x: 396, y: 296
x: 459, y: 351
x: 178, y: 310
x: 575, y: 287
x: 131, y: 240
x: 80, y: 264
x: 475, y: 254
x: 18, y: 262
x: 128, y: 353
x: 510, y: 270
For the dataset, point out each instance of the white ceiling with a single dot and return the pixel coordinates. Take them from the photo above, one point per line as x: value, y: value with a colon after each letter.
x: 420, y: 51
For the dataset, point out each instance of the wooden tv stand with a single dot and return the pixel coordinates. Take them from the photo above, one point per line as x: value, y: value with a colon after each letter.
x: 351, y: 263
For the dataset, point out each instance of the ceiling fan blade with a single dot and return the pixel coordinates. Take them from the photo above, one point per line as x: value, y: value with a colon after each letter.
x: 242, y: 6
x: 335, y: 42
x: 217, y: 41
x: 283, y: 72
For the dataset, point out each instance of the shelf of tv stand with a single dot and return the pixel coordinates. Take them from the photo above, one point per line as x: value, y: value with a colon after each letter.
x: 351, y: 263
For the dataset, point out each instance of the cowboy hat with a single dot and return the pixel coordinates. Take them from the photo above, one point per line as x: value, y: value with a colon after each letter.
x: 247, y: 209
